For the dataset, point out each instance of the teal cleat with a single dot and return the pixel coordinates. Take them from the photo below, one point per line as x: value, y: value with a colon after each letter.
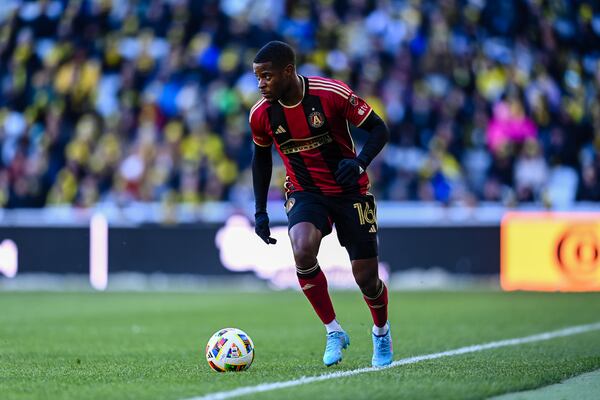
x: 336, y: 341
x: 383, y: 351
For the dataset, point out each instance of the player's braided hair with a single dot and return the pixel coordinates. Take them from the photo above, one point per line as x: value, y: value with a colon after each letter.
x: 279, y: 53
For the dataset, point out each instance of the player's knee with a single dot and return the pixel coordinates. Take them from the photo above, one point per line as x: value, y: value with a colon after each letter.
x: 305, y: 252
x: 367, y: 282
x: 366, y: 274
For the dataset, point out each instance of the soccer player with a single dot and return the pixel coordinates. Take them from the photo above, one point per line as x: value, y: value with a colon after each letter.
x: 307, y: 120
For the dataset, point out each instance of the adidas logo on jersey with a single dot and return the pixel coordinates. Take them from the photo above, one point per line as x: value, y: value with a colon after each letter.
x: 373, y: 229
x: 279, y: 130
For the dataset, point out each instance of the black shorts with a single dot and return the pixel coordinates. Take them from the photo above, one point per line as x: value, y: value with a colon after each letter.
x: 354, y: 216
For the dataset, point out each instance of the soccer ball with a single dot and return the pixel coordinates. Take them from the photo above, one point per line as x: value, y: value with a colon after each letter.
x: 230, y: 349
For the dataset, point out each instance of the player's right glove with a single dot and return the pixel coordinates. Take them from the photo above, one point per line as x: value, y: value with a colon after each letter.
x: 261, y: 221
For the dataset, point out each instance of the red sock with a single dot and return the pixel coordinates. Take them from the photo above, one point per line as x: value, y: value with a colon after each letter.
x: 378, y: 306
x: 314, y: 286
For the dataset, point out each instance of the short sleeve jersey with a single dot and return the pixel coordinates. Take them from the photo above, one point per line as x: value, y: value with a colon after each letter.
x: 313, y: 136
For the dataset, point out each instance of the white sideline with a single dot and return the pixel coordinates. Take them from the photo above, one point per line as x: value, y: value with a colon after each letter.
x: 265, y: 387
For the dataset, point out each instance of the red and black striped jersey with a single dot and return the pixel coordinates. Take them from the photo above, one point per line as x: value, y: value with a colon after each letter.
x: 313, y: 136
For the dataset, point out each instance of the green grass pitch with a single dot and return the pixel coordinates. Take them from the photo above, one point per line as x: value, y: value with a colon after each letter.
x: 151, y: 345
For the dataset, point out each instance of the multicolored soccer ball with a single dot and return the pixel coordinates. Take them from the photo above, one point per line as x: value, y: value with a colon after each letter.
x: 230, y: 349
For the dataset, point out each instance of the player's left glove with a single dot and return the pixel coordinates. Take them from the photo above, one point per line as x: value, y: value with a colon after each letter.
x: 349, y: 171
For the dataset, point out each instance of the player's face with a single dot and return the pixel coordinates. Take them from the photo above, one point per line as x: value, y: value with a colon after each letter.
x: 272, y: 82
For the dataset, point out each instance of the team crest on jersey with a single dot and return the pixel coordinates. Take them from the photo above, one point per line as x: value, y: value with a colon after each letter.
x: 316, y: 119
x: 353, y: 100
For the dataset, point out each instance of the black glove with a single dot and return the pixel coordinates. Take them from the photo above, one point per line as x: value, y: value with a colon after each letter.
x: 261, y: 220
x: 348, y: 172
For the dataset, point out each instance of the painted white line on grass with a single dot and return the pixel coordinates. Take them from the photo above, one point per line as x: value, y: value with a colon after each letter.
x: 265, y: 387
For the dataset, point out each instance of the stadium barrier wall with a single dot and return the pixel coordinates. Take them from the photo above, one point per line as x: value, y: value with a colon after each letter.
x: 204, y: 248
x: 530, y: 249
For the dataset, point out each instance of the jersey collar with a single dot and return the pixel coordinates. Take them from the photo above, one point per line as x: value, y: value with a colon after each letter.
x: 304, y: 84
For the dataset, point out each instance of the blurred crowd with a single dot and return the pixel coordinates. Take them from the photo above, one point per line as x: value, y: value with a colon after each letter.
x: 124, y: 101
